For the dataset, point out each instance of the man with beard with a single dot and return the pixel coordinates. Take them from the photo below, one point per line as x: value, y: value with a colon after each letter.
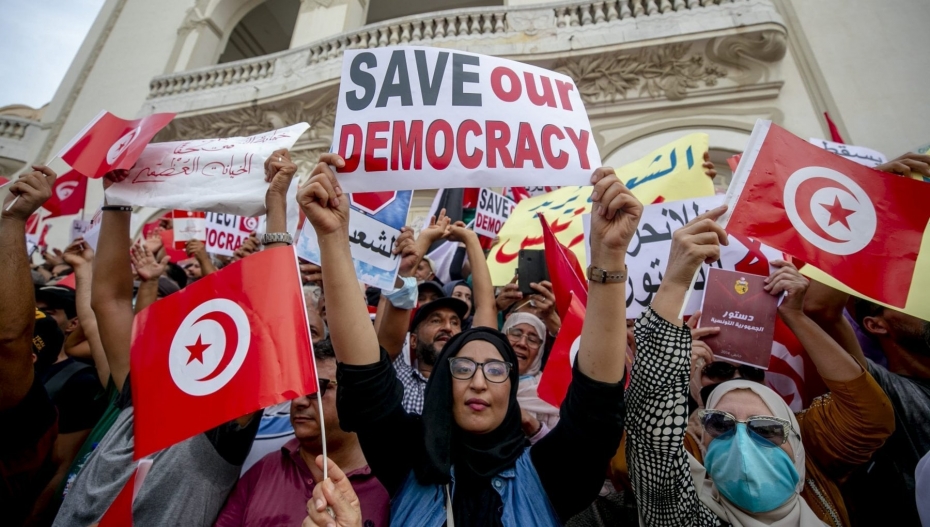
x: 886, y: 483
x: 432, y: 326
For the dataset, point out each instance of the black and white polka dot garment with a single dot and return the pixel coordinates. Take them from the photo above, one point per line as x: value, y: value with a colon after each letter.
x: 657, y: 416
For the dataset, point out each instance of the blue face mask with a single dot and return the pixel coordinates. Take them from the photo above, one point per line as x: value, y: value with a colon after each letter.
x: 754, y: 477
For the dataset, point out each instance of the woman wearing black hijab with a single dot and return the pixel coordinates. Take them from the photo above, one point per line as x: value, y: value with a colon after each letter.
x: 465, y: 461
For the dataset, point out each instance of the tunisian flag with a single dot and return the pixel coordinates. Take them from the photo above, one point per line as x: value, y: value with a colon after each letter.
x: 108, y: 143
x: 557, y: 375
x: 68, y: 195
x: 860, y: 225
x: 231, y: 343
x: 565, y: 271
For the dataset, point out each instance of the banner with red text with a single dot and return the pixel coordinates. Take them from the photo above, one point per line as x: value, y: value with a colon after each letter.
x: 424, y: 118
x: 226, y: 232
x: 492, y: 211
x: 210, y: 175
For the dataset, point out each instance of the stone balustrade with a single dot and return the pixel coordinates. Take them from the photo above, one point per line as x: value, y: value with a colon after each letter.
x: 14, y: 127
x: 460, y: 28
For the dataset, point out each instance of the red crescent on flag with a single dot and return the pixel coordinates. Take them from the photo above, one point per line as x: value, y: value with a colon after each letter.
x: 802, y: 201
x: 232, y: 341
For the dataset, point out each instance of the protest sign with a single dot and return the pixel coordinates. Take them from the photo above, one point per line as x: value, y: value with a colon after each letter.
x: 672, y: 172
x: 188, y: 225
x: 518, y: 194
x: 371, y: 240
x: 226, y: 232
x: 78, y: 228
x: 109, y: 143
x: 647, y: 257
x: 744, y: 311
x: 492, y: 211
x: 424, y: 118
x: 209, y: 175
x: 858, y: 154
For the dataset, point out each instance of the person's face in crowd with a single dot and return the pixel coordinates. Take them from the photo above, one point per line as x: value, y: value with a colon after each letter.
x: 463, y: 293
x: 433, y: 333
x: 192, y: 269
x: 65, y: 324
x: 315, y: 320
x: 426, y: 296
x: 478, y: 405
x: 744, y: 404
x: 305, y: 417
x: 911, y: 333
x: 526, y: 342
x: 424, y: 272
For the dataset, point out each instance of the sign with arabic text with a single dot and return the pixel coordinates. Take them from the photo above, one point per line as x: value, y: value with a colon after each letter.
x: 672, y: 172
x: 647, y: 257
x: 858, y: 154
x: 425, y: 118
x: 371, y: 240
x: 211, y: 175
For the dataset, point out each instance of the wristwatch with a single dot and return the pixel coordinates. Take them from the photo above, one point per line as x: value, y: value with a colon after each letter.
x: 277, y: 237
x: 603, y: 276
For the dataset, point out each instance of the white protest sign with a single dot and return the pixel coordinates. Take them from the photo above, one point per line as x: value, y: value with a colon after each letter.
x: 226, y: 232
x: 492, y: 211
x: 424, y: 118
x: 859, y: 154
x: 371, y: 240
x: 209, y: 175
x: 647, y: 257
x: 188, y: 226
x: 78, y: 228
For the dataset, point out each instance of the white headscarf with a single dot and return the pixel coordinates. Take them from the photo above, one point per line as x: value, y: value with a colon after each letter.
x: 795, y: 512
x: 526, y: 394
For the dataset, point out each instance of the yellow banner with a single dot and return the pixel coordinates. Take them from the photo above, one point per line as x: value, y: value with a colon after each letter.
x: 672, y: 172
x: 918, y: 302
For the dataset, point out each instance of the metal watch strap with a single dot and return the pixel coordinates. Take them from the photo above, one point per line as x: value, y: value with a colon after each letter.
x: 277, y: 237
x: 603, y: 276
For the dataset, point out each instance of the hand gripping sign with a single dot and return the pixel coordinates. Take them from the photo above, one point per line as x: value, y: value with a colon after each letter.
x: 423, y: 118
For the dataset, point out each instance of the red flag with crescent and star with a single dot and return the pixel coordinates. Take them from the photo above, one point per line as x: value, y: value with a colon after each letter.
x: 231, y: 343
x: 68, y: 195
x: 855, y: 223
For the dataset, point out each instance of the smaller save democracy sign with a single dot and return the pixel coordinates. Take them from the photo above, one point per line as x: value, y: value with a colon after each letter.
x: 226, y: 232
x: 423, y: 118
x: 492, y: 211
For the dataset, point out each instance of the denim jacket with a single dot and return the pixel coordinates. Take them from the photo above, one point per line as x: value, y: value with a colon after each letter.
x: 523, y: 496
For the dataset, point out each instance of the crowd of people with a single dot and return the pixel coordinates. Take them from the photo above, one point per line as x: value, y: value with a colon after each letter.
x: 428, y: 391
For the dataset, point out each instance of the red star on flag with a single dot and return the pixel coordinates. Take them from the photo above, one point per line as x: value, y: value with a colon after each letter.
x: 197, y: 350
x: 837, y: 212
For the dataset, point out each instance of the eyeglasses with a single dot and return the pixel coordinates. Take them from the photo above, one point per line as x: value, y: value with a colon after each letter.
x: 495, y: 371
x: 324, y: 384
x: 726, y: 371
x: 765, y: 429
x: 531, y: 339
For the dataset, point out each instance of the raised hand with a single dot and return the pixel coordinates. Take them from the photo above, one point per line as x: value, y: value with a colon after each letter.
x: 279, y: 171
x: 114, y: 176
x: 78, y: 254
x: 438, y: 228
x: 143, y: 260
x: 322, y: 200
x: 508, y: 295
x: 459, y: 232
x: 544, y: 300
x: 53, y: 257
x: 788, y: 279
x: 406, y: 247
x: 336, y: 494
x: 701, y: 354
x: 193, y: 247
x: 28, y: 193
x: 696, y: 243
x: 153, y: 243
x: 907, y: 165
x: 614, y: 217
x: 709, y: 169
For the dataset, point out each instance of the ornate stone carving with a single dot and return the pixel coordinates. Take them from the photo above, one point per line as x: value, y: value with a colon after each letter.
x: 748, y: 53
x: 669, y: 70
x: 531, y: 22
x: 320, y: 113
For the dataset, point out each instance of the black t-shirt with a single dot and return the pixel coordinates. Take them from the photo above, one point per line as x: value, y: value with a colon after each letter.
x: 81, y: 401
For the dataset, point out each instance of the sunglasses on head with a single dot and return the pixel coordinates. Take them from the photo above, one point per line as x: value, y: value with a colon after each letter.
x: 767, y: 430
x: 720, y: 370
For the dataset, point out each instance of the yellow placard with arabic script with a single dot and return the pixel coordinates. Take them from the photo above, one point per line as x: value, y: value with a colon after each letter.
x: 672, y: 172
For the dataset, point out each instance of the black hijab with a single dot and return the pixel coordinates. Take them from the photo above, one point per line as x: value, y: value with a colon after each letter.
x: 474, y: 455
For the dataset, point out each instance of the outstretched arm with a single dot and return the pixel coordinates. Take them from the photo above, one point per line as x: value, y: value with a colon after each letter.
x: 111, y: 292
x: 393, y: 322
x: 327, y: 208
x: 485, y: 306
x: 17, y: 297
x: 80, y: 256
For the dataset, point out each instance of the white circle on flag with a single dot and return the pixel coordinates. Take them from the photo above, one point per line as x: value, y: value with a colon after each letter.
x: 209, y: 347
x: 64, y: 189
x: 573, y: 351
x: 838, y: 218
x: 121, y: 145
